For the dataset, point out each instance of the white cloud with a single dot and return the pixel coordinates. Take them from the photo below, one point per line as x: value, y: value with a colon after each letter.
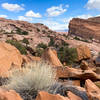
x: 22, y: 18
x: 12, y: 7
x: 54, y: 25
x: 32, y: 14
x: 3, y: 16
x: 84, y: 16
x: 56, y: 10
x: 93, y: 4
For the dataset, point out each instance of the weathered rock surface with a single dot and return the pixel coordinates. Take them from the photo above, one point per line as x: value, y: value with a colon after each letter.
x: 46, y: 96
x: 50, y: 55
x: 85, y: 28
x: 73, y: 96
x: 9, y: 95
x: 28, y: 58
x: 10, y: 58
x: 83, y: 52
x: 36, y: 33
x: 84, y: 65
x: 93, y: 91
x: 86, y: 74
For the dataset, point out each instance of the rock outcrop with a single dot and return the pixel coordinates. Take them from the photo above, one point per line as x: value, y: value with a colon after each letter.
x: 83, y: 52
x: 85, y: 28
x: 50, y: 55
x: 82, y: 74
x: 93, y: 91
x: 10, y: 58
x: 9, y: 95
x: 46, y: 96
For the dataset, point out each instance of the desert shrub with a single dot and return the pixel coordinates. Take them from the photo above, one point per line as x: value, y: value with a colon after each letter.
x: 68, y: 55
x: 52, y: 42
x: 76, y: 38
x: 42, y: 45
x: 38, y: 30
x: 39, y: 52
x: 32, y: 78
x: 97, y: 84
x: 18, y: 45
x: 21, y: 32
x: 25, y: 41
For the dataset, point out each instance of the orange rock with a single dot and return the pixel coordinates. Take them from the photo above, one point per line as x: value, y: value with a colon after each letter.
x: 46, y: 96
x: 9, y: 57
x: 62, y: 72
x: 9, y: 95
x: 83, y: 52
x: 50, y: 55
x: 72, y: 96
x: 86, y: 74
x: 93, y: 91
x: 84, y: 65
x: 28, y: 58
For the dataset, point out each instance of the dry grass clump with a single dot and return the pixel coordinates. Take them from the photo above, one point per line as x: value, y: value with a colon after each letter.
x: 35, y: 76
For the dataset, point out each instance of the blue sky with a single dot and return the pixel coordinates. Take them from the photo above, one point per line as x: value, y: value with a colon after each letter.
x: 56, y: 14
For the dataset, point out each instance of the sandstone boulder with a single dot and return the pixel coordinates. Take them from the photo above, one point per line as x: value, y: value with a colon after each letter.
x: 9, y: 95
x: 9, y: 57
x: 28, y: 58
x: 50, y: 55
x: 93, y: 91
x: 83, y: 75
x: 46, y: 96
x: 72, y: 96
x: 84, y: 65
x: 83, y: 52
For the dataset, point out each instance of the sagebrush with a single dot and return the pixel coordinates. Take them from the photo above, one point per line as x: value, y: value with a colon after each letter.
x: 34, y: 76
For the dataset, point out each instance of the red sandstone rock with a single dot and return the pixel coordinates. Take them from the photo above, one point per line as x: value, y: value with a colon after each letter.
x: 93, y: 91
x: 46, y: 96
x: 72, y: 96
x: 86, y: 28
x: 9, y: 95
x: 10, y: 58
x: 83, y: 52
x: 86, y: 74
x: 50, y: 55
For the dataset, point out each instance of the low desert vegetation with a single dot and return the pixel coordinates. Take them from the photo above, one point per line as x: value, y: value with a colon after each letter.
x: 18, y: 45
x: 42, y: 45
x: 25, y: 41
x: 67, y: 55
x: 32, y: 78
x: 21, y: 32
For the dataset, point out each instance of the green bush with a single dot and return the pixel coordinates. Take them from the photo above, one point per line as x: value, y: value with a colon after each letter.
x: 67, y: 55
x: 76, y: 38
x: 33, y: 77
x: 97, y: 84
x: 52, y: 42
x: 21, y: 32
x: 42, y: 45
x: 39, y: 52
x: 18, y: 45
x: 25, y: 41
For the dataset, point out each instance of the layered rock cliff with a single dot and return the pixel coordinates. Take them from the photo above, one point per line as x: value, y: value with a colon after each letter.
x: 85, y: 28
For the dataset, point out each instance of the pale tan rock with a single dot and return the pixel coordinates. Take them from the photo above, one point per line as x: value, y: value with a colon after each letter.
x: 10, y: 58
x: 72, y: 96
x: 83, y: 52
x: 86, y: 74
x: 46, y: 96
x: 28, y: 58
x: 9, y: 95
x: 50, y: 56
x: 93, y: 91
x: 84, y: 65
